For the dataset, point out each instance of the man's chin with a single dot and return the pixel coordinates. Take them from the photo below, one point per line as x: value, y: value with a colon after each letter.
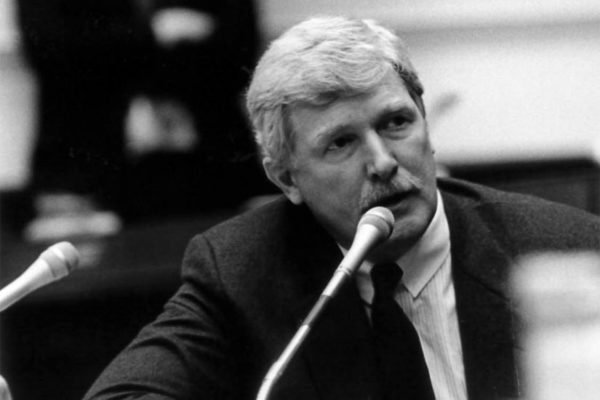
x: 406, y: 233
x: 389, y: 251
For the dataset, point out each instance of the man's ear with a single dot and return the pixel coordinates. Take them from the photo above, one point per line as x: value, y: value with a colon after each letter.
x: 282, y: 177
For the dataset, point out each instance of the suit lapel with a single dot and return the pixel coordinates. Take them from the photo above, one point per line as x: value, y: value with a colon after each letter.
x: 486, y: 320
x: 337, y: 355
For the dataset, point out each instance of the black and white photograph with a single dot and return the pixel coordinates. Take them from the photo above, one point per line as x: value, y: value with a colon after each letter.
x: 299, y: 199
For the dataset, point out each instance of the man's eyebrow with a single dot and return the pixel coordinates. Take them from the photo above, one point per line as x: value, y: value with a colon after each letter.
x: 327, y: 132
x: 398, y: 107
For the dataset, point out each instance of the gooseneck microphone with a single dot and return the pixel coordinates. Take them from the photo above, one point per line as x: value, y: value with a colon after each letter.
x: 374, y: 227
x: 56, y: 262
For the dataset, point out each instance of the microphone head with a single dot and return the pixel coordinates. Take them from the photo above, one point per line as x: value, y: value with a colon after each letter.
x: 62, y: 258
x: 381, y: 218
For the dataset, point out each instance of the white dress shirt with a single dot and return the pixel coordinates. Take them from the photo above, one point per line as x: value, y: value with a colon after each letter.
x: 426, y: 294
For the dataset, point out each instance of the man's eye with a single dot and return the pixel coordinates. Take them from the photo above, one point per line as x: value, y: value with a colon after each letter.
x: 340, y: 143
x: 397, y: 122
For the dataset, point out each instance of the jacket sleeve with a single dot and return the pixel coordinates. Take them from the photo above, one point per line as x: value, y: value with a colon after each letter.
x: 187, y: 352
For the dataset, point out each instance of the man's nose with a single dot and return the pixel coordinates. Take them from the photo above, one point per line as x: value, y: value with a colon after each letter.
x: 381, y: 165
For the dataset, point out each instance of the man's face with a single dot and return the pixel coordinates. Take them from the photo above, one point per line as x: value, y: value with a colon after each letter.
x: 360, y: 152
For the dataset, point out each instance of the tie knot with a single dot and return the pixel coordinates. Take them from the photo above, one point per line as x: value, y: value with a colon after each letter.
x: 385, y: 277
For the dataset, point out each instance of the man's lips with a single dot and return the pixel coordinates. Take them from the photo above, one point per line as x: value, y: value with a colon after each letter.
x: 389, y: 201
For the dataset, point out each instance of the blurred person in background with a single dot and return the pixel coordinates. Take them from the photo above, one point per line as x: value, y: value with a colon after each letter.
x: 202, y: 155
x: 86, y: 56
x: 188, y: 60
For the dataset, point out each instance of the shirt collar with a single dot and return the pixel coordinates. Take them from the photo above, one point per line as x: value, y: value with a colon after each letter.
x: 420, y: 263
x: 423, y: 260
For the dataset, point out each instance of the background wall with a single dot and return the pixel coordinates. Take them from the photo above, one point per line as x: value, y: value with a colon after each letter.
x: 17, y: 104
x: 504, y: 80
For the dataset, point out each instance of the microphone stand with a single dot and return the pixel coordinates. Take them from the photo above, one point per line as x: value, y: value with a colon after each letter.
x: 342, y: 274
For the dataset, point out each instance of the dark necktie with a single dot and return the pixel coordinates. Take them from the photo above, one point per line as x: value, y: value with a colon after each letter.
x: 404, y: 374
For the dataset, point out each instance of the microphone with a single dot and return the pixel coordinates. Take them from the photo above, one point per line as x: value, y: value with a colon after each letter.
x: 374, y: 227
x: 56, y: 262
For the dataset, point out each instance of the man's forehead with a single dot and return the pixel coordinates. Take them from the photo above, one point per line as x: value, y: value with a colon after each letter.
x: 387, y: 97
x: 327, y: 99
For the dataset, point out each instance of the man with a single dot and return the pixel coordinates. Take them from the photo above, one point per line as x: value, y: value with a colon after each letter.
x: 338, y: 114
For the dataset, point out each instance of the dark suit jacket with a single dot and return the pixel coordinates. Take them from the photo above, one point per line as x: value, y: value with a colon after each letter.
x: 248, y: 283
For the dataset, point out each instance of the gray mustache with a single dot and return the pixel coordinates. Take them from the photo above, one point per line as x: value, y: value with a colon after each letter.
x: 377, y: 194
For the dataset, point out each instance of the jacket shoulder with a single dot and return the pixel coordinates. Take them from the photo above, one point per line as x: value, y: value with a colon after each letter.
x: 519, y: 217
x: 262, y: 238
